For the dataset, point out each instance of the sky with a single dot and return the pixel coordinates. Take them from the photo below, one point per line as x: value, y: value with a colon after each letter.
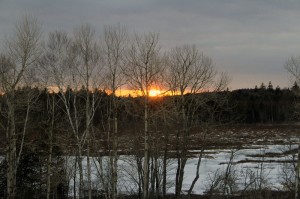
x: 249, y: 39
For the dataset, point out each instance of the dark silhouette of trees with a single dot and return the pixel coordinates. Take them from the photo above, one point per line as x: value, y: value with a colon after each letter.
x: 270, y: 86
x: 264, y: 106
x: 242, y: 106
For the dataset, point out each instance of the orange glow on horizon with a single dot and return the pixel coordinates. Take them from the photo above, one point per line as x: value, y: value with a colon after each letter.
x: 136, y: 93
x: 124, y: 92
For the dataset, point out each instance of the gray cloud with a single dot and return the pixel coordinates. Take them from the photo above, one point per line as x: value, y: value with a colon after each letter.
x: 251, y: 39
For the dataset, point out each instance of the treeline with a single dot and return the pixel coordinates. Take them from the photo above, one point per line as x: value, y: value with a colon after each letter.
x: 242, y: 106
x: 266, y: 105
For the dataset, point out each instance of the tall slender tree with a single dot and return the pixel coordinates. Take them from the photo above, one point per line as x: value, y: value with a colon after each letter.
x: 113, y: 52
x: 143, y: 69
x: 89, y: 71
x: 189, y: 72
x: 72, y: 64
x: 23, y: 50
x: 292, y: 66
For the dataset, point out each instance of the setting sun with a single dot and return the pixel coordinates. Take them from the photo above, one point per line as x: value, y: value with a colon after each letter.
x: 154, y: 93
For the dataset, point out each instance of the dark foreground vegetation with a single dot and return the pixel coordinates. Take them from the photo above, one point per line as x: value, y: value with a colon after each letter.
x: 262, y: 111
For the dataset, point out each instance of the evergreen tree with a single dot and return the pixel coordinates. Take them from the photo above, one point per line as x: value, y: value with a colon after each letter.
x: 295, y: 87
x: 270, y: 86
x: 262, y: 86
x: 277, y: 88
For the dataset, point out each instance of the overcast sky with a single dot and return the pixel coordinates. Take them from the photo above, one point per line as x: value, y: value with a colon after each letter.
x: 249, y: 39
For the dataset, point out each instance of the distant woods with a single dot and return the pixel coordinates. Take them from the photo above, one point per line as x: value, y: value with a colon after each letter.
x: 265, y: 104
x: 244, y: 106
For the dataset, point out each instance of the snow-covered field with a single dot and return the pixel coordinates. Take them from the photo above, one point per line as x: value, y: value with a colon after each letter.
x: 254, y: 160
x: 263, y: 161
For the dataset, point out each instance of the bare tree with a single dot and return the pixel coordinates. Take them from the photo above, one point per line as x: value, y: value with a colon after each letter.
x: 114, y: 46
x: 56, y: 69
x: 289, y: 168
x: 22, y: 53
x: 144, y: 66
x: 72, y: 65
x: 292, y: 66
x: 224, y: 182
x: 89, y: 71
x: 189, y: 72
x: 50, y: 109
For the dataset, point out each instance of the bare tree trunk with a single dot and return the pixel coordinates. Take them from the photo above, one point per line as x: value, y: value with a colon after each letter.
x: 177, y: 185
x: 297, y: 174
x: 49, y: 161
x: 80, y: 168
x: 115, y: 159
x: 164, y: 185
x: 228, y: 173
x: 156, y: 172
x: 49, y: 167
x: 114, y: 151
x: 74, y: 177
x: 182, y: 155
x: 88, y: 136
x: 197, y: 171
x: 89, y: 171
x: 178, y: 163
x: 146, y: 150
x: 11, y: 174
x: 151, y: 177
x: 180, y: 175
